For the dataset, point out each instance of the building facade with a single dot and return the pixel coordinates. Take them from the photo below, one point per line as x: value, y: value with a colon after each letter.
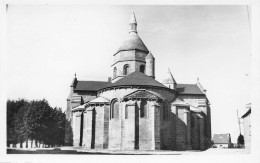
x: 222, y: 140
x: 134, y: 111
x: 247, y: 127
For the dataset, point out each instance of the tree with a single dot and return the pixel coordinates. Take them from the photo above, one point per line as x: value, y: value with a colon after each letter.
x: 21, y: 127
x: 35, y: 120
x: 12, y: 109
x: 240, y: 140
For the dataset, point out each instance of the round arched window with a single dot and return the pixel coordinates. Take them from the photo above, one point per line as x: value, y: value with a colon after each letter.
x: 114, y: 112
x: 143, y: 109
x: 126, y: 70
x: 114, y: 73
x: 142, y: 68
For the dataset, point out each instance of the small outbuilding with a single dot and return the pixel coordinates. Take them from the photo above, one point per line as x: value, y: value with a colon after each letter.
x: 222, y: 140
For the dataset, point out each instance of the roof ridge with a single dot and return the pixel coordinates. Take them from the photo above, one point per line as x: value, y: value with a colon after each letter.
x: 92, y: 81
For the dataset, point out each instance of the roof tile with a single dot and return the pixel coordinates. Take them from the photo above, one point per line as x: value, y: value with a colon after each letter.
x: 133, y: 42
x: 189, y: 89
x: 137, y: 79
x: 91, y: 85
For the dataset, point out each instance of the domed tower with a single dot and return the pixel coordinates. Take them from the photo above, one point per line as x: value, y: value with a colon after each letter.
x: 131, y: 56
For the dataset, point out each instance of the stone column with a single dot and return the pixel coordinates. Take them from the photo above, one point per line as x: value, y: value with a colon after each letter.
x: 106, y: 126
x: 157, y: 126
x: 151, y: 111
x: 76, y: 128
x: 187, y: 122
x: 130, y: 126
x: 201, y: 133
x: 137, y: 120
x: 173, y: 122
x: 88, y: 127
x: 123, y: 106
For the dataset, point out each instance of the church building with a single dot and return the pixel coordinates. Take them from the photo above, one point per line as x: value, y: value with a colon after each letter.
x: 133, y: 111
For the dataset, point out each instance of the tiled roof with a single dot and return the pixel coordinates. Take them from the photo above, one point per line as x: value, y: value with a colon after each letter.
x: 100, y: 100
x: 91, y: 85
x: 133, y: 42
x: 189, y: 89
x: 221, y: 138
x: 179, y: 102
x: 247, y: 113
x: 144, y: 91
x: 137, y: 79
x: 88, y: 98
x: 81, y: 107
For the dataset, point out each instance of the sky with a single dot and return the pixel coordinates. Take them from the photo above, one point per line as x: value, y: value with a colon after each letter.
x: 48, y: 44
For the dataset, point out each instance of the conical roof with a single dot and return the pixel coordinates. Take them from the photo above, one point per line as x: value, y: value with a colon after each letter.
x: 170, y: 79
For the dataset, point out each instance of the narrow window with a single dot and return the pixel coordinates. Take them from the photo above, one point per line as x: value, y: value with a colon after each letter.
x: 111, y: 111
x: 126, y: 70
x: 143, y: 109
x: 142, y: 68
x: 114, y: 74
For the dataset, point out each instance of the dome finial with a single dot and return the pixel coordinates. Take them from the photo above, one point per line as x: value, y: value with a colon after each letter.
x: 133, y: 24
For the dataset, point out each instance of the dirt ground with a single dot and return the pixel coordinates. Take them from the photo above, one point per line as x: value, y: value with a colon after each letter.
x: 72, y: 150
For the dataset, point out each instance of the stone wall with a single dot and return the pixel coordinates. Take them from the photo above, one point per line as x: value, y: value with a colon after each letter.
x: 115, y: 132
x: 106, y: 127
x: 76, y: 128
x: 181, y: 128
x: 133, y: 58
x: 201, y: 103
x: 157, y: 127
x: 247, y: 131
x: 130, y: 131
x: 129, y: 126
x: 194, y: 132
x: 87, y: 127
x: 119, y: 93
x: 166, y: 135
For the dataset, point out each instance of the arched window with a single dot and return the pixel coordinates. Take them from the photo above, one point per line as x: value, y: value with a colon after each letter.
x: 126, y: 70
x: 142, y: 68
x: 114, y: 73
x: 114, y: 110
x: 143, y: 109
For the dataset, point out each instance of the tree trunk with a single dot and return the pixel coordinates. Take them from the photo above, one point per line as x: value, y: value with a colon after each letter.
x: 26, y: 146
